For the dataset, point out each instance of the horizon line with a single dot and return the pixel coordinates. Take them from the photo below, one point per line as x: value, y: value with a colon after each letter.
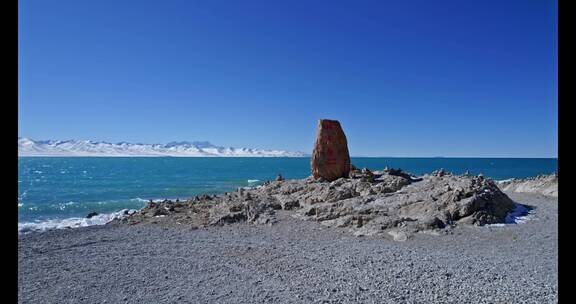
x: 306, y: 156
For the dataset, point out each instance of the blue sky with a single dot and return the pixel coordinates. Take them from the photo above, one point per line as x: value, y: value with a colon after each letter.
x: 405, y: 78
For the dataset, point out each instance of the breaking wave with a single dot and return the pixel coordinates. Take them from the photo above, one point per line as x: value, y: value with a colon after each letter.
x: 73, y: 222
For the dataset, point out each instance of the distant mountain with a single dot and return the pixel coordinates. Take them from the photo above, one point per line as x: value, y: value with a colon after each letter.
x: 29, y: 147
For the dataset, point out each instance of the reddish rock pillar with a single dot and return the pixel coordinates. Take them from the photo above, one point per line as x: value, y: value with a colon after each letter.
x: 330, y: 158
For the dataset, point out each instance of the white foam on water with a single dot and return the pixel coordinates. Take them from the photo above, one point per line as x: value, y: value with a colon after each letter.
x: 155, y: 200
x: 23, y: 195
x: 63, y: 206
x: 73, y: 222
x: 505, y: 180
x: 139, y: 200
x: 253, y: 181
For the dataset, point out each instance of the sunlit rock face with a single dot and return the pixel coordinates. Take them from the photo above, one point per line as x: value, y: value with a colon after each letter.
x: 330, y: 158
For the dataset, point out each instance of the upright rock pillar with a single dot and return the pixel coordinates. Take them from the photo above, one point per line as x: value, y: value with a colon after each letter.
x: 330, y: 158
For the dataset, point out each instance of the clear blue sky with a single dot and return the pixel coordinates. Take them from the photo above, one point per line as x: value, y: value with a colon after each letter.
x: 405, y: 78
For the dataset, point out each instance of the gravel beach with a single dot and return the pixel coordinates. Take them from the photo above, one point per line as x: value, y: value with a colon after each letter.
x: 293, y: 261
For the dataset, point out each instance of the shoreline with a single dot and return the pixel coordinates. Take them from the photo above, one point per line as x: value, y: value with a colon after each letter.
x: 536, y: 184
x: 293, y: 261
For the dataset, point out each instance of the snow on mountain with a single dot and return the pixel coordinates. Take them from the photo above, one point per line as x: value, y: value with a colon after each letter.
x: 29, y: 147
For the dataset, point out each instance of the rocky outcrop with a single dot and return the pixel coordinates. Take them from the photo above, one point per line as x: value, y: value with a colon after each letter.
x: 542, y: 184
x: 391, y: 203
x: 330, y: 158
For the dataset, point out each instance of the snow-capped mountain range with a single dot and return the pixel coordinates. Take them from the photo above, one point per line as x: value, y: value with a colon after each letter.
x: 29, y: 147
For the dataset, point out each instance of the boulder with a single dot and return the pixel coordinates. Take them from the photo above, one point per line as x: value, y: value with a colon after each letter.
x: 330, y: 158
